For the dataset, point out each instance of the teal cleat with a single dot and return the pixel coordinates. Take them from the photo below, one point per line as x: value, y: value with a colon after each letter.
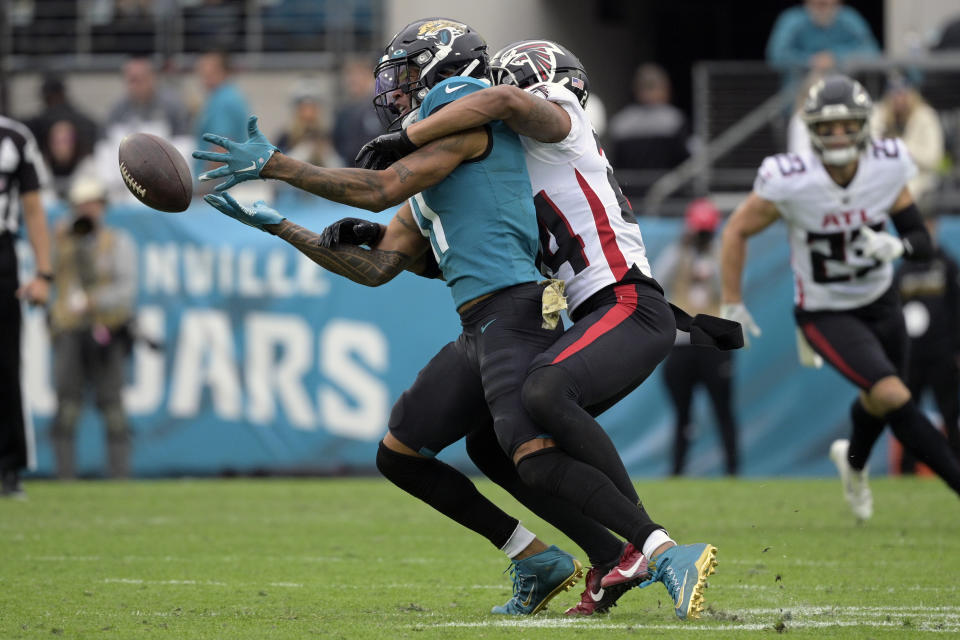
x: 539, y: 578
x: 683, y: 570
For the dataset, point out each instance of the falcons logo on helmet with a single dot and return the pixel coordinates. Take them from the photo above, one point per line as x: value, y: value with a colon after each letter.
x: 541, y: 56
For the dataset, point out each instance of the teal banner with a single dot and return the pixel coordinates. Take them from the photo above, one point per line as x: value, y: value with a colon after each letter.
x: 269, y: 364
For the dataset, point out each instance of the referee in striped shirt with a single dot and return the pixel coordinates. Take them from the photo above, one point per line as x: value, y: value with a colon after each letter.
x: 20, y: 165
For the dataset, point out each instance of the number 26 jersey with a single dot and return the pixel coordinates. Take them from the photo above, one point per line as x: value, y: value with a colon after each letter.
x: 824, y: 222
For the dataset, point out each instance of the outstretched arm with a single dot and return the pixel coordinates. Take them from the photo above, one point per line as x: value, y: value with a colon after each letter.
x: 525, y: 113
x: 400, y: 248
x: 752, y: 216
x: 377, y: 190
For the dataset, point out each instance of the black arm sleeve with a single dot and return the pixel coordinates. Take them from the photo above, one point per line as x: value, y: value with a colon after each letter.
x: 27, y: 174
x: 917, y: 244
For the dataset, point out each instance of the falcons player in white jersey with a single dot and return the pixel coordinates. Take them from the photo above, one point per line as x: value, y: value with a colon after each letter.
x: 836, y: 201
x: 623, y: 327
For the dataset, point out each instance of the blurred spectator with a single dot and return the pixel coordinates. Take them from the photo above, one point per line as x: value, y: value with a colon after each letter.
x: 817, y: 36
x: 356, y: 120
x: 930, y: 292
x: 95, y: 275
x: 689, y: 271
x: 65, y: 135
x: 307, y: 136
x: 903, y: 113
x: 650, y: 135
x: 949, y: 36
x: 146, y: 107
x: 941, y: 87
x: 20, y: 164
x: 225, y: 112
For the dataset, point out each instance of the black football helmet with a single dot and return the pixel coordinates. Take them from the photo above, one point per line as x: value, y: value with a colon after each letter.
x: 836, y: 98
x: 528, y: 62
x: 421, y: 55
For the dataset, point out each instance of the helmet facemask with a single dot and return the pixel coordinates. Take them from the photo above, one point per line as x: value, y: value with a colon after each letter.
x: 834, y: 104
x: 839, y: 149
x: 421, y: 55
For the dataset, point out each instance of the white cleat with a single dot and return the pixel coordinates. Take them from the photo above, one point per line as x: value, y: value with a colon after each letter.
x: 855, y: 487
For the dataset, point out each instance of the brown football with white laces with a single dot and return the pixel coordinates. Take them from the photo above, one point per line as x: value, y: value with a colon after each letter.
x: 155, y: 172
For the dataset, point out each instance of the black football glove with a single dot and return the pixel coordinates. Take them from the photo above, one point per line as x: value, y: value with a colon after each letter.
x: 383, y: 151
x: 355, y: 231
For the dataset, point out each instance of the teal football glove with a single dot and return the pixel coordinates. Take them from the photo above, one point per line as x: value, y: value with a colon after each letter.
x: 256, y: 217
x: 243, y: 160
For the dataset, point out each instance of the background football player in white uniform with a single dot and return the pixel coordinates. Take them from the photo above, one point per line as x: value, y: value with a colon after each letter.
x: 836, y: 200
x: 623, y: 327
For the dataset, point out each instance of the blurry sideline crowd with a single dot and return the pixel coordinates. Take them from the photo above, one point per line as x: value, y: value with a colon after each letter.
x: 74, y: 145
x: 644, y: 140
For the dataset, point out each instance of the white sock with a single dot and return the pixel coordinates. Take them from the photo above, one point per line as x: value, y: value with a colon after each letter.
x: 654, y: 540
x: 519, y: 540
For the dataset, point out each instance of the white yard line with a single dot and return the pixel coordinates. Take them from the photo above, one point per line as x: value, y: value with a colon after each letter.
x: 920, y: 619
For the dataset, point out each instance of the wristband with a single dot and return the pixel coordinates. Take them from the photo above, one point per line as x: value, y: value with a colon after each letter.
x: 45, y: 275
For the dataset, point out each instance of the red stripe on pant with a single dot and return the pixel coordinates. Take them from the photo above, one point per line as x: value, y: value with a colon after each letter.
x: 626, y: 305
x: 819, y: 341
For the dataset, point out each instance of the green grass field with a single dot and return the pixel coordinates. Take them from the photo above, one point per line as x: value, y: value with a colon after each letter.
x: 357, y: 558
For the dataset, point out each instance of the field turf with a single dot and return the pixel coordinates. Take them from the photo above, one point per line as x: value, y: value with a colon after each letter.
x: 357, y: 558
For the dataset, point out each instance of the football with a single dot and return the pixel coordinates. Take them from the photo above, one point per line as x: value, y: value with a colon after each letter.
x: 155, y: 172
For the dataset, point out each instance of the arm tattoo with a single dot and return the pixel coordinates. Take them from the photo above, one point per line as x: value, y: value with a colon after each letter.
x: 540, y: 122
x: 409, y: 224
x: 402, y: 171
x: 356, y: 187
x: 367, y: 267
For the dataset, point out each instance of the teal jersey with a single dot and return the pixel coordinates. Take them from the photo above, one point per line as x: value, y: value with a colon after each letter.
x: 480, y: 219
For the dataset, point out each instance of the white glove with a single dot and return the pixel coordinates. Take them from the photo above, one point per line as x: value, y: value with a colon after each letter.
x: 808, y: 357
x: 738, y: 313
x: 881, y: 245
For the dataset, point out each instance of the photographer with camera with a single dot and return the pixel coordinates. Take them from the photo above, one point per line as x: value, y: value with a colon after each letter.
x: 94, y: 275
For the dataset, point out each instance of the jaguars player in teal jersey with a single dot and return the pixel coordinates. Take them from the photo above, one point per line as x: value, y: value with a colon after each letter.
x: 471, y: 196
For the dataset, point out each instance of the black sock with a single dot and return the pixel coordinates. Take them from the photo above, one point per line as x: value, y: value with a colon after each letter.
x: 866, y: 429
x: 549, y: 396
x: 601, y: 546
x: 554, y: 472
x: 927, y: 445
x: 448, y: 491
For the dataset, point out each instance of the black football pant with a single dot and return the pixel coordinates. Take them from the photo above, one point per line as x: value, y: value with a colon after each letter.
x: 686, y: 367
x: 13, y: 441
x: 942, y: 378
